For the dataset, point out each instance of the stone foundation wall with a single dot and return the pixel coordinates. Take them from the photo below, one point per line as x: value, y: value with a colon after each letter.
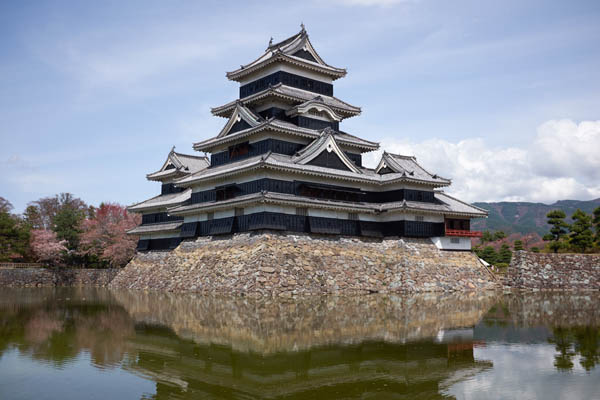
x: 553, y: 271
x: 272, y: 263
x: 25, y: 277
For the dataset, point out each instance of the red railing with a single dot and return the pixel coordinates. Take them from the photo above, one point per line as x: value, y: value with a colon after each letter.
x: 463, y: 233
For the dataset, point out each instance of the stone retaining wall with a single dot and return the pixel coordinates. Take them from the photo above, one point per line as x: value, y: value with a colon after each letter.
x: 272, y: 263
x: 553, y: 271
x: 25, y: 277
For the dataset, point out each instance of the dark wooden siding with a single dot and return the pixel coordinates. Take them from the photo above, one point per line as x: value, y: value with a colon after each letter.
x: 189, y: 229
x: 288, y: 79
x: 299, y: 223
x: 355, y: 158
x: 329, y: 160
x: 313, y: 123
x: 305, y: 54
x: 157, y: 218
x: 239, y: 126
x: 158, y: 244
x: 169, y: 188
x: 221, y: 226
x: 255, y: 149
x: 295, y: 223
x: 315, y: 190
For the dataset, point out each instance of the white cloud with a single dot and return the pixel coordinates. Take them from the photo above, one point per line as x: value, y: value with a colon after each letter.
x: 562, y: 162
x: 565, y: 144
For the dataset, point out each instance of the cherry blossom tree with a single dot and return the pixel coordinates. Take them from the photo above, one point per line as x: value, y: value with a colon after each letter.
x: 105, y: 235
x: 46, y: 247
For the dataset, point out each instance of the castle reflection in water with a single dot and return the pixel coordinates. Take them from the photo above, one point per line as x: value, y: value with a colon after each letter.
x: 315, y: 347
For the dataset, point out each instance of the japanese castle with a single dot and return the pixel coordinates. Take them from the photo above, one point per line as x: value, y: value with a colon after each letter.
x: 281, y: 162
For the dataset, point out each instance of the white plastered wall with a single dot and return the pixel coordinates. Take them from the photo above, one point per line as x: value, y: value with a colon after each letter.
x: 452, y: 242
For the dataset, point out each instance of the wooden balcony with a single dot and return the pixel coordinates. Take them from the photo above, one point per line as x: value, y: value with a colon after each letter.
x: 463, y: 233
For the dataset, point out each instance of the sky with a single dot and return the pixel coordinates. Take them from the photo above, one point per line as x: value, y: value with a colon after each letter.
x: 501, y: 97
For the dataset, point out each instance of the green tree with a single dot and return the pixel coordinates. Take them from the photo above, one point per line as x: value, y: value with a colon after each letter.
x: 556, y: 219
x: 486, y: 236
x: 504, y: 255
x: 489, y: 255
x: 33, y: 217
x: 518, y: 245
x: 587, y: 344
x: 14, y: 234
x: 596, y: 222
x: 581, y: 236
x: 499, y: 235
x: 66, y: 224
x: 535, y: 249
x: 563, y: 344
x: 5, y: 205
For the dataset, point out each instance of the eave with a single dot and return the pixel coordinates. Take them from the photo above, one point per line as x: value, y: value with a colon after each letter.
x: 330, y: 173
x: 277, y: 91
x: 278, y: 56
x: 271, y: 124
x: 271, y: 198
x: 156, y: 228
x: 298, y: 201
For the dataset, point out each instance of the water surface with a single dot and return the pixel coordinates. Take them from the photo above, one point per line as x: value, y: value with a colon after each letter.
x: 97, y: 343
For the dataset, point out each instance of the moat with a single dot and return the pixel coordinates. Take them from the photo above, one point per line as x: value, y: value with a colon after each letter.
x: 73, y: 343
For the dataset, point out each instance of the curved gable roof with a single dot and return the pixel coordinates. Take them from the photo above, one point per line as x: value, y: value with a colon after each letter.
x: 296, y: 49
x: 326, y: 142
x: 315, y: 104
x: 407, y: 166
x: 177, y: 165
x: 240, y: 113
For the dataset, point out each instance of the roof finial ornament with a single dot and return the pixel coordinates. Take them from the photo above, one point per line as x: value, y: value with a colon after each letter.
x: 173, y: 149
x: 271, y: 41
x: 303, y: 29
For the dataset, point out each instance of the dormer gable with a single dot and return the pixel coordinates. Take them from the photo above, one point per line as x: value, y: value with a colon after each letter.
x: 315, y: 107
x: 408, y: 167
x: 177, y: 165
x: 325, y: 152
x: 241, y: 119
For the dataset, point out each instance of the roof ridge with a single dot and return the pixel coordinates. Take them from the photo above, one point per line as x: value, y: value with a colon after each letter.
x: 191, y: 155
x: 400, y: 155
x: 287, y: 40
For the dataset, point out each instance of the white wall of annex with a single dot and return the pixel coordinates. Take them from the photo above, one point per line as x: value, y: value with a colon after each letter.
x: 452, y: 243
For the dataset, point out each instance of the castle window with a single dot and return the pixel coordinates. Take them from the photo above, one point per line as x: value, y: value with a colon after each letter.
x: 302, y: 211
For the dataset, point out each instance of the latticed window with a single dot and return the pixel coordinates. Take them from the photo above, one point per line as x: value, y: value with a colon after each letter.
x: 239, y: 212
x: 419, y: 218
x: 210, y: 216
x: 353, y: 216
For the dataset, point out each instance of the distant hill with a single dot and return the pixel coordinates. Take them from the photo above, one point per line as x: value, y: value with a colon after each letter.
x: 523, y: 217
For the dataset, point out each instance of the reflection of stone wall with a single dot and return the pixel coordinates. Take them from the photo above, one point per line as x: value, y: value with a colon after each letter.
x: 274, y: 263
x: 25, y: 277
x: 551, y: 309
x: 554, y: 271
x: 267, y: 325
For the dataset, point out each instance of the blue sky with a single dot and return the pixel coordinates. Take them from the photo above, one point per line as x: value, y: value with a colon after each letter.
x: 502, y: 97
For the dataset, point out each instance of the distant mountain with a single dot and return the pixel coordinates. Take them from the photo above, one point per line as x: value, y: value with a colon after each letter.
x: 523, y: 217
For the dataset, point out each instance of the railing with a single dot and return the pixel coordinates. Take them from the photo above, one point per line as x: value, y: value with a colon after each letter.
x: 21, y: 265
x: 463, y: 233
